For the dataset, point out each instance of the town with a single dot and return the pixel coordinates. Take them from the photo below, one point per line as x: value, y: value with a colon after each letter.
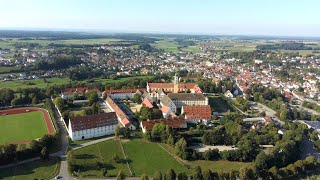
x: 163, y: 91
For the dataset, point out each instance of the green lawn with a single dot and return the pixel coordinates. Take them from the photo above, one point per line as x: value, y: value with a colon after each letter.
x: 20, y: 127
x: 218, y: 104
x: 193, y: 49
x: 87, y: 158
x: 37, y: 169
x: 147, y: 158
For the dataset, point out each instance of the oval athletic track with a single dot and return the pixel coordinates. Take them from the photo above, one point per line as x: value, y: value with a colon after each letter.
x: 45, y: 114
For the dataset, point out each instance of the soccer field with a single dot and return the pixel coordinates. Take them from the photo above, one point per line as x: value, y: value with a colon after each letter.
x: 22, y: 127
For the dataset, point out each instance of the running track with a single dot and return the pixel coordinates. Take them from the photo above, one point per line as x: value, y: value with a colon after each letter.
x: 31, y: 109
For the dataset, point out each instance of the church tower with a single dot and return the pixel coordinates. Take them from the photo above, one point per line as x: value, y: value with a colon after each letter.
x: 176, y: 84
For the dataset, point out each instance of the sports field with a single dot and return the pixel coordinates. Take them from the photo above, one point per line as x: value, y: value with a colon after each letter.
x: 17, y: 127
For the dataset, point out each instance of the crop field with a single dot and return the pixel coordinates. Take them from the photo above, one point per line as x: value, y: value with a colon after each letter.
x: 34, y: 170
x: 22, y: 125
x: 167, y: 46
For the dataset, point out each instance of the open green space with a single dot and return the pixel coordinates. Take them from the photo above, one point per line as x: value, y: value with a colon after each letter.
x: 147, y: 158
x: 7, y: 69
x: 88, y: 157
x: 34, y: 170
x: 167, y: 46
x: 193, y: 49
x: 218, y: 104
x: 9, y: 43
x: 20, y: 127
x: 41, y: 83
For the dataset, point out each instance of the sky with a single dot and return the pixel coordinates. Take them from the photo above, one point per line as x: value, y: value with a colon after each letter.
x: 216, y: 17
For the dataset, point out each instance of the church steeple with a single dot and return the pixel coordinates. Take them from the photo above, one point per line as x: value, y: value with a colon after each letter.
x: 176, y: 83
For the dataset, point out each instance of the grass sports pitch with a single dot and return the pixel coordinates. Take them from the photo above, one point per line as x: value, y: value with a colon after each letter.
x: 17, y: 128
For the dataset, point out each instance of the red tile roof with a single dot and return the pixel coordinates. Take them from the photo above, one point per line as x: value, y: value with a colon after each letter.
x: 93, y: 121
x: 147, y: 103
x: 116, y: 91
x: 124, y: 118
x: 197, y: 112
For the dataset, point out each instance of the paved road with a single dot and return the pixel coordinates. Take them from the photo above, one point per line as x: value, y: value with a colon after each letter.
x: 91, y: 143
x: 64, y: 145
x: 300, y: 107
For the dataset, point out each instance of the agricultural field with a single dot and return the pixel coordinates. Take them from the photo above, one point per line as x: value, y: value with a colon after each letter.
x: 41, y: 83
x: 7, y: 44
x: 147, y: 158
x: 193, y: 49
x: 167, y: 46
x: 35, y: 170
x: 22, y: 127
x: 218, y: 104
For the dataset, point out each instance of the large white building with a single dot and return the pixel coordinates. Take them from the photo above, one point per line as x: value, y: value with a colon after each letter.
x: 85, y: 127
x: 123, y: 93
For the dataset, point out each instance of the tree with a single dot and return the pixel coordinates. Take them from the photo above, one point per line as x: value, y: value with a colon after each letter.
x: 92, y: 97
x: 197, y: 175
x: 157, y: 176
x: 283, y: 114
x: 137, y: 98
x: 181, y: 148
x: 295, y: 113
x: 45, y: 153
x: 117, y: 131
x: 273, y: 172
x: 207, y: 174
x: 248, y: 173
x: 261, y: 160
x: 35, y: 100
x: 104, y: 172
x: 171, y: 175
x: 121, y: 176
x: 170, y: 140
x: 183, y: 176
x: 144, y: 177
x: 59, y: 102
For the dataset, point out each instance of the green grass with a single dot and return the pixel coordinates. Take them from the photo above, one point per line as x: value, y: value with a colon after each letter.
x: 37, y: 169
x: 7, y: 44
x: 218, y: 104
x: 167, y: 46
x: 40, y: 83
x: 6, y: 69
x: 147, y: 158
x: 87, y: 158
x: 19, y: 127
